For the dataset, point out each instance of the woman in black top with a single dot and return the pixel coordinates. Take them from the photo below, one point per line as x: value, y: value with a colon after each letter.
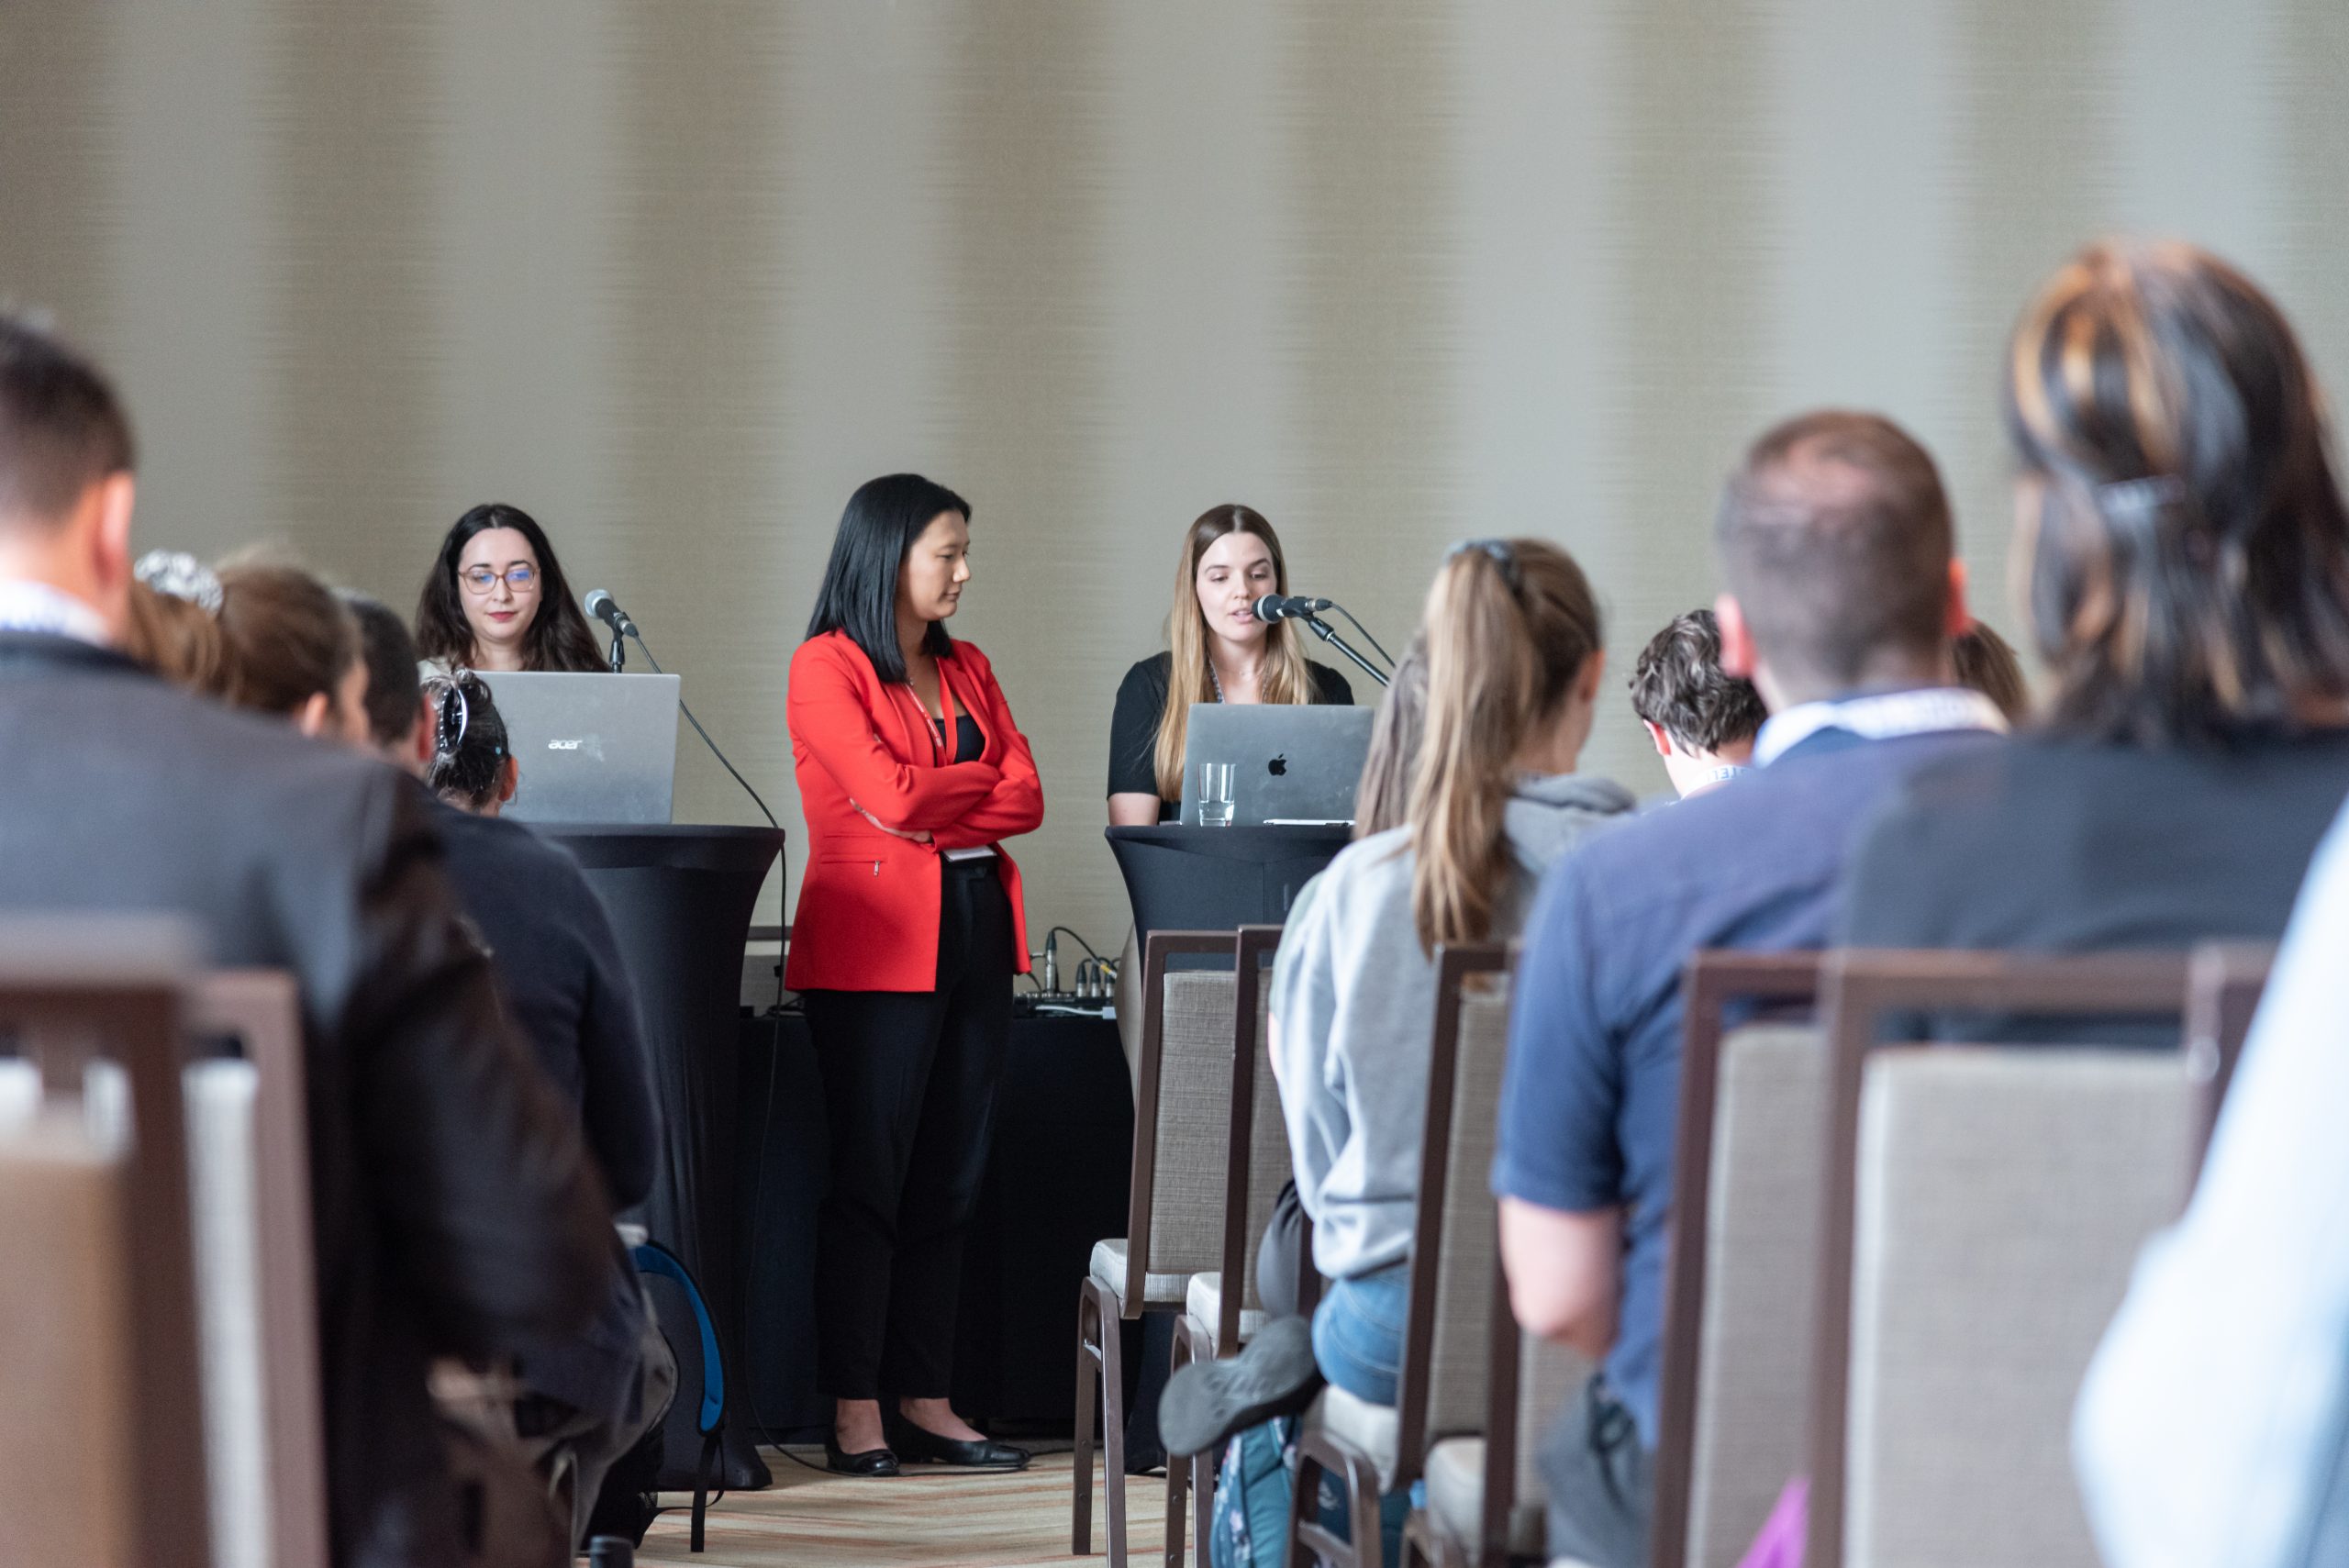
x: 1219, y: 653
x: 2188, y: 580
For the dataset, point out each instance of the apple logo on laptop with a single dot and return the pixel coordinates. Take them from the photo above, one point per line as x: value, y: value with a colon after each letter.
x: 1278, y: 766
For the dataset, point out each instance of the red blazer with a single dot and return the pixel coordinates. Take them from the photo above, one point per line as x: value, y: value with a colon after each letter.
x: 868, y: 900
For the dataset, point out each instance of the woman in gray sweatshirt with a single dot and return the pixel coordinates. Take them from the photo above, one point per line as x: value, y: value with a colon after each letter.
x: 1514, y: 651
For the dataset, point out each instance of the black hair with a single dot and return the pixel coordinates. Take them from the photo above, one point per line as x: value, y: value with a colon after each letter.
x: 860, y: 592
x: 393, y: 688
x: 469, y: 743
x: 559, y: 637
x: 1680, y: 686
x: 62, y: 428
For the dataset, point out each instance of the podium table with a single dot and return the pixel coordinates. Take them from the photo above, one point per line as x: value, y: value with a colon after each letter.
x: 681, y: 900
x: 1181, y: 878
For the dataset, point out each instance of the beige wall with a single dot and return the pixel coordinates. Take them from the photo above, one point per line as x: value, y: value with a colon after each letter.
x: 676, y: 277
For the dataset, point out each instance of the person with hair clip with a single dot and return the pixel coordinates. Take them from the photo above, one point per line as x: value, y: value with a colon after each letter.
x: 496, y: 599
x: 909, y: 934
x: 173, y: 627
x: 2185, y: 551
x: 1218, y: 651
x: 1514, y: 652
x: 288, y: 647
x: 567, y: 989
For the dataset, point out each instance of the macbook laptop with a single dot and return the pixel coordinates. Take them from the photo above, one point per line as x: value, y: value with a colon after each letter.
x: 591, y: 748
x: 1293, y: 764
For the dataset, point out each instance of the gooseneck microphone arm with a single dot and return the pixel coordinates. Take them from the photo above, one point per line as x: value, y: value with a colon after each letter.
x: 601, y: 606
x: 1328, y: 634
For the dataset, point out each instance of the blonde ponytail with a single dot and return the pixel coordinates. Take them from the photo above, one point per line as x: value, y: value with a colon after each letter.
x: 1509, y: 625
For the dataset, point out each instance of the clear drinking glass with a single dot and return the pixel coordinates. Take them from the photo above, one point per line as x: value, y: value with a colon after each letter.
x: 1215, y: 795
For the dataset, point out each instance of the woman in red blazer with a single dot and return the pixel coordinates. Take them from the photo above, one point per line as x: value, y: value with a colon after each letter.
x: 908, y: 938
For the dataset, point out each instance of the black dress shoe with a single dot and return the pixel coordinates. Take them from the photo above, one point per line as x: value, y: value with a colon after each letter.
x: 872, y: 1461
x: 919, y: 1445
x: 1207, y: 1402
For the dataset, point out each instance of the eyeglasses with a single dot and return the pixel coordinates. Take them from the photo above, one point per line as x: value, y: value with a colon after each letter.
x: 481, y: 579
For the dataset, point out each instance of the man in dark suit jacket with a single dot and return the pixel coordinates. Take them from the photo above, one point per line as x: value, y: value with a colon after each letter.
x: 456, y: 1212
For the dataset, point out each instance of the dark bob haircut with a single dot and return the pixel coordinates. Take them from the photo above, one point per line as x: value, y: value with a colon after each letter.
x: 2187, y: 544
x: 558, y: 639
x: 860, y: 592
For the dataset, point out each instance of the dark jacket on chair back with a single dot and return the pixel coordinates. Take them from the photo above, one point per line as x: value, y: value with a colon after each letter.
x: 455, y: 1210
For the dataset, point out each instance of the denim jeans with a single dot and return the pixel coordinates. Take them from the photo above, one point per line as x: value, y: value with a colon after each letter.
x: 1358, y: 1333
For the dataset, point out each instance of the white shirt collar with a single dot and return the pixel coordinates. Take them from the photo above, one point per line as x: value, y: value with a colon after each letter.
x: 28, y: 605
x: 1883, y: 716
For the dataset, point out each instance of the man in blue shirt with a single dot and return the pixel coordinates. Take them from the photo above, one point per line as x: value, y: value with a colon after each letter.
x: 1834, y: 537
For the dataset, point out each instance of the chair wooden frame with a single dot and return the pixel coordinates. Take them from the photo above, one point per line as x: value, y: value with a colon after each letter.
x: 1857, y: 989
x: 1320, y: 1452
x: 261, y: 1008
x: 1713, y: 982
x: 83, y: 990
x: 1101, y: 1362
x: 1194, y: 1479
x: 2226, y: 982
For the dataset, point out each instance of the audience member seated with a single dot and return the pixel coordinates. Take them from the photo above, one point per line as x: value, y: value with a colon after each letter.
x: 2187, y: 560
x: 400, y: 719
x: 288, y: 647
x: 1515, y: 656
x: 1835, y: 539
x: 2211, y: 1431
x: 1701, y: 718
x: 1986, y: 663
x: 566, y: 986
x: 456, y: 1210
x: 172, y: 627
x: 496, y: 599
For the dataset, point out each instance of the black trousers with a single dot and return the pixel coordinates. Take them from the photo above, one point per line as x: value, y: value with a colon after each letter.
x: 909, y: 1085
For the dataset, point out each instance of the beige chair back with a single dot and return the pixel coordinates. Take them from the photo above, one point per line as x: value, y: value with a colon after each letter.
x: 1253, y: 1181
x: 1983, y: 1210
x: 1183, y: 1114
x: 248, y: 1145
x: 1445, y: 1379
x: 1761, y: 1242
x: 2002, y: 1196
x: 94, y: 1209
x: 68, y: 1384
x: 1733, y: 1393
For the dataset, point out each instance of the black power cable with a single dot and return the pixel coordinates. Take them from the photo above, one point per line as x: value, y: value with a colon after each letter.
x: 705, y: 737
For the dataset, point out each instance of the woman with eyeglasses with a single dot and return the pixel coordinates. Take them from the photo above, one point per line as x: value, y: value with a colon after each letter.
x: 496, y: 600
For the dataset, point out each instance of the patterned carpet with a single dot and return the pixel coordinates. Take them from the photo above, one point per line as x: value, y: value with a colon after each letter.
x: 925, y: 1518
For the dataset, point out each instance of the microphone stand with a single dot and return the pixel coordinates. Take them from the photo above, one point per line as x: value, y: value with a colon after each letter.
x: 619, y: 655
x: 1328, y: 634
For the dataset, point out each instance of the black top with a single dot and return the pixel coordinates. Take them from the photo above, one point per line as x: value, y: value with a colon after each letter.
x: 968, y: 741
x: 1141, y: 699
x: 453, y: 1212
x: 2059, y: 846
x: 560, y: 970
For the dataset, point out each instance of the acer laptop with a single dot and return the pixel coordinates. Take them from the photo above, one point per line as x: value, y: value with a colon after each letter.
x: 592, y: 748
x: 1293, y: 764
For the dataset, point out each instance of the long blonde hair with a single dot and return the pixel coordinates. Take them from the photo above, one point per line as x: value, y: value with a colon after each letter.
x: 1510, y: 624
x: 1284, y: 678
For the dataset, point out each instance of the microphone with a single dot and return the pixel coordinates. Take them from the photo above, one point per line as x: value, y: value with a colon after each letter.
x: 1280, y: 606
x: 601, y: 605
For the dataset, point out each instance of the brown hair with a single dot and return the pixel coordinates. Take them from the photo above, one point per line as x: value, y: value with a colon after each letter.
x: 1680, y: 686
x: 284, y: 636
x: 178, y: 639
x: 62, y: 428
x: 1510, y: 624
x: 2183, y: 537
x: 1986, y: 663
x: 1188, y: 677
x: 1383, y: 799
x: 1835, y: 537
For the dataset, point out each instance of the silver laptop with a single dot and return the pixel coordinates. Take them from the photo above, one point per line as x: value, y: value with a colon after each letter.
x: 1292, y: 764
x: 591, y: 748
